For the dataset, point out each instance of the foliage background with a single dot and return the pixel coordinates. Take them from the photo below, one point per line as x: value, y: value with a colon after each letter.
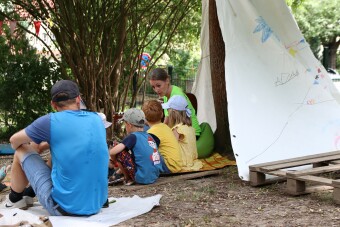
x: 25, y: 82
x: 101, y: 44
x: 319, y: 22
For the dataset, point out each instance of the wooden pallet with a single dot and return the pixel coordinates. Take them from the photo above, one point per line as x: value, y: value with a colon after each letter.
x: 297, y: 179
x: 173, y: 178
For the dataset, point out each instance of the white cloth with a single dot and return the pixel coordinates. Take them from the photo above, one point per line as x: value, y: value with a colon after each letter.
x: 119, y: 211
x: 202, y: 87
x: 281, y: 102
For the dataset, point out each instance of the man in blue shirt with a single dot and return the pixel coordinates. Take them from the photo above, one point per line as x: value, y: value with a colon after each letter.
x: 76, y: 183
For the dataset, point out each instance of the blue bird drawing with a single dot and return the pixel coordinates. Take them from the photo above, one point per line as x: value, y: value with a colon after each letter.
x: 264, y: 28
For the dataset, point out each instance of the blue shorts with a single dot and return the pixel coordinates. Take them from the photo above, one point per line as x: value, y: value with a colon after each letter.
x: 165, y: 168
x: 39, y: 176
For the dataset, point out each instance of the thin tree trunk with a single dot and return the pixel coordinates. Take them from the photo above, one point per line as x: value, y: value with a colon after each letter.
x: 217, y: 57
x: 333, y: 47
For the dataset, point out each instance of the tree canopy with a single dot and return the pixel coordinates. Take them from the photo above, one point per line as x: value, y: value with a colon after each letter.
x: 101, y: 41
x: 319, y: 22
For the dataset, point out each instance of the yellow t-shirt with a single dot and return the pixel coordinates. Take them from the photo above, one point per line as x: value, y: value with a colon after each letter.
x: 168, y: 147
x: 187, y: 143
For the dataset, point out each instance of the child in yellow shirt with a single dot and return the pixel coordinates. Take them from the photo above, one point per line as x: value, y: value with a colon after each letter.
x: 180, y: 123
x: 168, y: 146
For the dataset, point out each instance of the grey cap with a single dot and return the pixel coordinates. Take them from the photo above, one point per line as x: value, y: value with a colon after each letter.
x: 135, y: 117
x: 67, y: 87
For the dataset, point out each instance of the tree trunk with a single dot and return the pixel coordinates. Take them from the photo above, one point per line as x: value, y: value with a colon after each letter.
x: 217, y: 57
x: 333, y: 47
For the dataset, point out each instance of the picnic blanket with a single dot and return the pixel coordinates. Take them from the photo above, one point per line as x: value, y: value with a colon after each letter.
x: 120, y: 209
x: 216, y: 161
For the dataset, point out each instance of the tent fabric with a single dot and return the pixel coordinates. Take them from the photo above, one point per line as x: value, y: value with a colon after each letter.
x: 281, y: 102
x: 202, y: 86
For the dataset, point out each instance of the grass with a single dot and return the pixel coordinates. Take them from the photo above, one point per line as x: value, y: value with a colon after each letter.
x: 202, y: 194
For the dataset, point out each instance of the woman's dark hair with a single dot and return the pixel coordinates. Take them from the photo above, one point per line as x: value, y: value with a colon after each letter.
x: 158, y: 74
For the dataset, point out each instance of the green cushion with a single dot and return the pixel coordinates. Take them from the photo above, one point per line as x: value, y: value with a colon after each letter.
x: 205, y: 143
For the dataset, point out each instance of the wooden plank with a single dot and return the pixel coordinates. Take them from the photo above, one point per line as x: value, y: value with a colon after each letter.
x: 256, y: 178
x: 318, y: 170
x: 166, y: 180
x: 315, y: 179
x: 313, y: 189
x: 255, y: 167
x: 295, y: 187
x: 297, y: 163
x: 280, y: 173
x: 273, y: 180
x: 319, y: 164
x: 334, y: 162
x: 336, y: 183
x: 336, y: 195
x: 259, y: 179
x: 318, y: 188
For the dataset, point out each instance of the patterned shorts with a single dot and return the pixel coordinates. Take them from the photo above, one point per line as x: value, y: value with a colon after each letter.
x: 125, y: 158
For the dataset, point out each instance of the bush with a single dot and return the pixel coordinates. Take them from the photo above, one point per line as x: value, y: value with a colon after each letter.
x: 25, y: 82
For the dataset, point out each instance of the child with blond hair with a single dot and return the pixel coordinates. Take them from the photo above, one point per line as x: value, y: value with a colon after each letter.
x: 168, y: 146
x: 180, y: 123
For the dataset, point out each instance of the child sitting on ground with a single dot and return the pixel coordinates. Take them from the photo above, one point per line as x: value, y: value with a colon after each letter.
x: 168, y: 147
x: 180, y: 123
x: 137, y: 155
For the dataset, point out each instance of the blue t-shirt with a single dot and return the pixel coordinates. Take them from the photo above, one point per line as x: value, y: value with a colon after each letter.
x: 79, y: 158
x: 145, y: 155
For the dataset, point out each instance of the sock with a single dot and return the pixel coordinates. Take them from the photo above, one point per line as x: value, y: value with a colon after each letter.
x: 15, y: 196
x: 29, y: 192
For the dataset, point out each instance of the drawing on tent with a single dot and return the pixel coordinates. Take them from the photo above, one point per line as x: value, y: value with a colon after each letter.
x: 280, y: 100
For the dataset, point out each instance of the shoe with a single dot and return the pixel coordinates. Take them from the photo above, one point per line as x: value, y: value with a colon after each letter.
x: 116, y: 181
x: 7, y: 204
x: 106, y: 204
x: 113, y: 180
x: 29, y: 200
x: 128, y: 183
x: 2, y: 187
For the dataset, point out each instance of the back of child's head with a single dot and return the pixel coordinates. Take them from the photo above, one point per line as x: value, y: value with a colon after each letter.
x: 135, y: 117
x: 153, y: 111
x: 178, y: 109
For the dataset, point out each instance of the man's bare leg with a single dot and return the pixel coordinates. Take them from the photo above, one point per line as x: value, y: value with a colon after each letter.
x: 18, y: 177
x: 19, y: 182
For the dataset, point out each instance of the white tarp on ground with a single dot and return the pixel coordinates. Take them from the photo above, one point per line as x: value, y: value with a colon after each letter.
x: 281, y: 102
x: 121, y: 210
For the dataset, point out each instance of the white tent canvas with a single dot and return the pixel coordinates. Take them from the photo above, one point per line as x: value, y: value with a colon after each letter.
x: 281, y: 102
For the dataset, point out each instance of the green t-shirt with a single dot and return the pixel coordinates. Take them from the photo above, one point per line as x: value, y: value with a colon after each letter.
x: 178, y: 91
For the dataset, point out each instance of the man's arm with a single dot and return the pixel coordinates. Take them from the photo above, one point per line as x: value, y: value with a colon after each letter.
x: 18, y: 139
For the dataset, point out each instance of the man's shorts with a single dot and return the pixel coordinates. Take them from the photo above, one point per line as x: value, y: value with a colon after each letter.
x: 39, y: 176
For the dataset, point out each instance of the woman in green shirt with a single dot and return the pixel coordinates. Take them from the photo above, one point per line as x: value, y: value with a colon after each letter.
x: 160, y: 83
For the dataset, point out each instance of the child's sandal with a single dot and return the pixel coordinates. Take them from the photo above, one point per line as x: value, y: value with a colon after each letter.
x: 116, y: 178
x: 128, y: 183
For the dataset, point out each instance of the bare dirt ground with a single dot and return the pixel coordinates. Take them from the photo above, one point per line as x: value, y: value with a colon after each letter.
x: 225, y: 200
